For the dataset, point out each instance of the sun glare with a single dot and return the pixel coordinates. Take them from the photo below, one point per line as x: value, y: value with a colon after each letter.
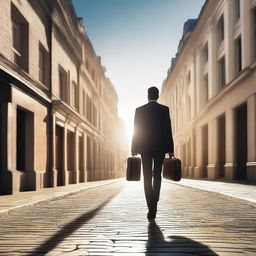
x: 128, y: 118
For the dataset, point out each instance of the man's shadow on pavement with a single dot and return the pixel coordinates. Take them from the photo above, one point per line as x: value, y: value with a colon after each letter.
x: 179, y: 245
x: 67, y: 230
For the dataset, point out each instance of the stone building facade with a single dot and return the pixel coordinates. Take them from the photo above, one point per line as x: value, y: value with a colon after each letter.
x: 59, y: 121
x: 211, y: 91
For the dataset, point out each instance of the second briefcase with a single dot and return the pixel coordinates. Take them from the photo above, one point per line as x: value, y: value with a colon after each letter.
x: 133, y: 168
x: 172, y: 169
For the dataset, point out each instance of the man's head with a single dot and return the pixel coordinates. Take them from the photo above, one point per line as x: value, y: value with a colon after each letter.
x: 153, y: 93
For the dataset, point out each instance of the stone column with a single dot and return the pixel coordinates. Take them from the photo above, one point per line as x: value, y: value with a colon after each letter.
x: 11, y: 136
x: 188, y: 156
x: 212, y: 168
x: 90, y: 160
x: 230, y: 165
x: 108, y: 163
x: 65, y: 155
x: 246, y: 31
x: 95, y: 172
x: 85, y: 157
x: 54, y: 172
x: 97, y: 160
x: 92, y: 148
x: 96, y: 169
x: 104, y: 162
x: 251, y: 138
x: 199, y: 142
x: 192, y: 155
x: 185, y: 157
x: 3, y: 139
x: 11, y: 147
x: 9, y: 177
x: 229, y: 40
x: 100, y: 160
x: 76, y: 174
x: 115, y: 165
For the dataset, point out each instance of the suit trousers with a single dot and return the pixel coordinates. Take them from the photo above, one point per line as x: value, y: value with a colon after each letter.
x: 152, y: 163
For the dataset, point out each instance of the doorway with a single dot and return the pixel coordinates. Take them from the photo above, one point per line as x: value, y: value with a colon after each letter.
x: 241, y: 141
x: 21, y: 140
x: 221, y: 154
x: 59, y: 155
x: 81, y: 159
x: 71, y: 156
x: 25, y: 148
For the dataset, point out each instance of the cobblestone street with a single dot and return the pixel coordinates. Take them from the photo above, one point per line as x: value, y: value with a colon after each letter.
x: 111, y: 220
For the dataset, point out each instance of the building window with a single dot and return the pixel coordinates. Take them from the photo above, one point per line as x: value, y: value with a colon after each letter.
x: 63, y: 84
x: 19, y: 39
x: 43, y: 65
x: 88, y: 109
x: 100, y: 87
x: 84, y: 103
x: 87, y: 64
x: 205, y: 53
x: 238, y: 55
x: 99, y: 118
x: 16, y: 41
x: 205, y: 88
x: 97, y: 82
x: 74, y: 98
x: 188, y: 78
x: 189, y: 107
x: 93, y: 75
x: 237, y: 9
x: 254, y: 31
x: 95, y: 116
x: 222, y: 72
x: 220, y: 29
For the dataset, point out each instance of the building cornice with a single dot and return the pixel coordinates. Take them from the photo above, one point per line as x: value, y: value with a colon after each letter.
x: 13, y: 74
x: 71, y: 114
x: 67, y: 31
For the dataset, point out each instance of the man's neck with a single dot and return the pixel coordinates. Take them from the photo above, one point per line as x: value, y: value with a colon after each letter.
x: 152, y: 101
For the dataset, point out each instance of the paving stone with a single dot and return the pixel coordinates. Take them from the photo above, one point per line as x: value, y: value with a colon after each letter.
x: 111, y: 220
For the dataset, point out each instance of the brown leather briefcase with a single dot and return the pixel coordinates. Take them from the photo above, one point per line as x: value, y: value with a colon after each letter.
x: 133, y: 168
x: 172, y: 169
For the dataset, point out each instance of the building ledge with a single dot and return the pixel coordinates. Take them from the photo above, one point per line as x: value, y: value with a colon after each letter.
x: 23, y: 79
x: 246, y: 72
x: 73, y: 115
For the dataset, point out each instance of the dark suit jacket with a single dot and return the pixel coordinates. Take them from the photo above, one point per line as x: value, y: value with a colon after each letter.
x: 152, y: 129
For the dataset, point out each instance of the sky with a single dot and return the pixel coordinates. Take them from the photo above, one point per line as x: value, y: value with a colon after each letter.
x: 136, y: 40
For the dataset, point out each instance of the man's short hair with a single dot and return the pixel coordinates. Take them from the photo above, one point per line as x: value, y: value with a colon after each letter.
x: 153, y: 93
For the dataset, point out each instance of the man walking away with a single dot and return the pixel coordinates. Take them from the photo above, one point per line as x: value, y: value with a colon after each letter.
x: 152, y: 138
